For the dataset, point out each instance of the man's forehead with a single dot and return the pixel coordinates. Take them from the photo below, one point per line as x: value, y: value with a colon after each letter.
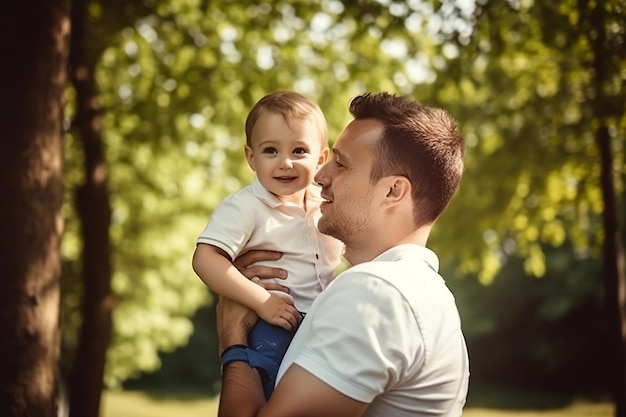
x: 359, y: 133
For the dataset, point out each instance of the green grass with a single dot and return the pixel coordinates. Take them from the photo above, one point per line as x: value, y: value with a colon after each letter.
x: 579, y: 409
x: 168, y: 404
x: 157, y: 404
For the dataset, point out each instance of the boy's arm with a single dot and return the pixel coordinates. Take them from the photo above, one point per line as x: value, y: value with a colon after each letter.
x: 215, y: 269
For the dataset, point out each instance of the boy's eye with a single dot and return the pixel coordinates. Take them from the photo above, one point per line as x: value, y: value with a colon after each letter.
x: 269, y: 149
x: 299, y: 151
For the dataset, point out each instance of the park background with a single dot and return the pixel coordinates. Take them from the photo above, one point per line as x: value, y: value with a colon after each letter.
x: 129, y: 121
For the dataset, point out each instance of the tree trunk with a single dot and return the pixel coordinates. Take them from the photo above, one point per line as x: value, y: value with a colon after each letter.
x: 34, y: 46
x: 92, y: 201
x: 614, y: 272
x: 614, y: 258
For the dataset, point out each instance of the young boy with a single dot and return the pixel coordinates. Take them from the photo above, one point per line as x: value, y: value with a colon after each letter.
x: 286, y: 144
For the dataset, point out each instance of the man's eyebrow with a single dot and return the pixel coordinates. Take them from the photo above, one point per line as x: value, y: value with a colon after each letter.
x: 339, y: 153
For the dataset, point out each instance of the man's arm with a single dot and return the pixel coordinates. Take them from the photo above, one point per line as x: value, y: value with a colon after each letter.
x: 239, y: 380
x: 299, y: 393
x: 242, y: 391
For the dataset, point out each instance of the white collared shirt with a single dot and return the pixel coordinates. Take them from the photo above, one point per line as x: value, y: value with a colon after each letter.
x: 253, y: 218
x: 388, y: 333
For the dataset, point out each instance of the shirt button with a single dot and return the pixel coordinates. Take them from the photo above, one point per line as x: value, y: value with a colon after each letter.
x: 317, y: 256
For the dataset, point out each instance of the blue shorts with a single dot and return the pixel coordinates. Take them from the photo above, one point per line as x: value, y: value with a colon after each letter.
x: 272, y: 342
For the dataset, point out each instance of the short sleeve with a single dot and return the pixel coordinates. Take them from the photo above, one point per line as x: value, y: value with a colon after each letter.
x: 229, y: 227
x: 364, y: 337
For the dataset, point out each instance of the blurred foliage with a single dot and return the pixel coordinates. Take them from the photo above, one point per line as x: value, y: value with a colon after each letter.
x: 543, y: 334
x: 524, y: 87
x: 177, y: 78
x: 192, y: 367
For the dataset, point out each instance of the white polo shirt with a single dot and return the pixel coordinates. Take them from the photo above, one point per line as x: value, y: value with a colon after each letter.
x: 253, y: 218
x: 388, y: 333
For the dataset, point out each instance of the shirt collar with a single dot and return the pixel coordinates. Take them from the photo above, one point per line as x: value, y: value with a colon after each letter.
x: 313, y: 195
x: 410, y: 250
x: 262, y: 194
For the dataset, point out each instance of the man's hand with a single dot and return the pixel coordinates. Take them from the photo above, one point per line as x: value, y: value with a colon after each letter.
x: 259, y: 273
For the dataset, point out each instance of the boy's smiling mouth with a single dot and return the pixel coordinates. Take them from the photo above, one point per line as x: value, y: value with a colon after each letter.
x: 285, y: 179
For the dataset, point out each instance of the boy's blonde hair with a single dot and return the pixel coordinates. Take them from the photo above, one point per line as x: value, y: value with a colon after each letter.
x: 290, y: 105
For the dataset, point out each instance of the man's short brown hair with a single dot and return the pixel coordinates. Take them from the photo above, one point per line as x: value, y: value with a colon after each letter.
x: 418, y: 142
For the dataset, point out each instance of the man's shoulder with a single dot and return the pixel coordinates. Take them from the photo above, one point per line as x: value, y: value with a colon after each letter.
x: 395, y: 264
x: 399, y: 272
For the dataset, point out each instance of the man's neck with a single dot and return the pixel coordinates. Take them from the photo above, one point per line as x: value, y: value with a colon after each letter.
x: 356, y: 254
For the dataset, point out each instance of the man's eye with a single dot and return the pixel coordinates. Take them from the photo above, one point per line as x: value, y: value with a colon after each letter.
x: 269, y: 150
x: 299, y: 151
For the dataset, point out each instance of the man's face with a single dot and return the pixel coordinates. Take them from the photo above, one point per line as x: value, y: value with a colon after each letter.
x: 347, y: 213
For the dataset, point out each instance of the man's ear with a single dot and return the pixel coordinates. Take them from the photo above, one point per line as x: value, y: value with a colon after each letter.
x: 399, y: 189
x: 324, y: 156
x: 249, y: 156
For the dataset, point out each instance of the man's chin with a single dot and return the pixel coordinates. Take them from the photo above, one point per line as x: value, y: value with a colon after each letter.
x: 327, y: 229
x: 322, y: 226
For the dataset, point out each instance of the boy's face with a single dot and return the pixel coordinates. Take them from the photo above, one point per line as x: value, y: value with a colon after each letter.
x: 285, y: 156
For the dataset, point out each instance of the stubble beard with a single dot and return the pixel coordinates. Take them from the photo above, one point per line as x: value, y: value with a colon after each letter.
x: 342, y: 227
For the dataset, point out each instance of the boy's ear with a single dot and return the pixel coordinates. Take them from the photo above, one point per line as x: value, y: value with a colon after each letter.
x: 324, y: 156
x: 249, y: 156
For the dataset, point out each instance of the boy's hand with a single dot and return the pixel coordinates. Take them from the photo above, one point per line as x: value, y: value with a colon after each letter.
x: 280, y: 312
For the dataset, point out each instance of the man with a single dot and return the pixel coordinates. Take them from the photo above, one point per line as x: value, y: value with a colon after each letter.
x: 384, y: 338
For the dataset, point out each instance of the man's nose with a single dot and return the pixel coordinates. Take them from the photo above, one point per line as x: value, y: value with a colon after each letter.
x: 320, y: 177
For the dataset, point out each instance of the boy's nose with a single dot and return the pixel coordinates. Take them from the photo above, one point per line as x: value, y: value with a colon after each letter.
x: 286, y: 163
